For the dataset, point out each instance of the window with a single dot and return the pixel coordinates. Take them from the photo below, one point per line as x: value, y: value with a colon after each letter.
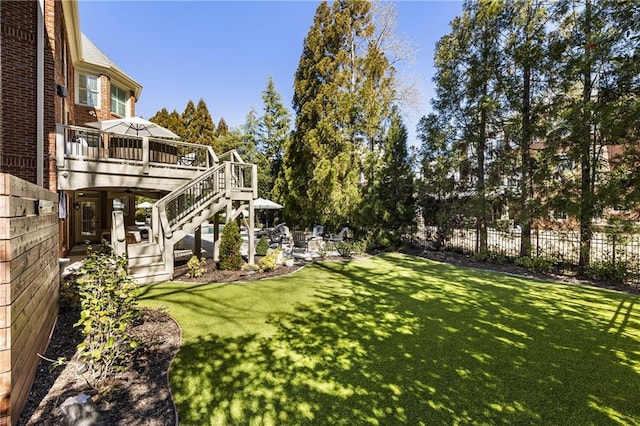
x: 118, y: 101
x: 88, y: 93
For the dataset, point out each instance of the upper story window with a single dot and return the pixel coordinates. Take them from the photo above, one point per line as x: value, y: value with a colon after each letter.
x: 118, y: 101
x: 88, y: 93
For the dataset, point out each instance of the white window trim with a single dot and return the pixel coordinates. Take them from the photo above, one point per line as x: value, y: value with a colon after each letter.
x: 126, y: 100
x: 77, y: 94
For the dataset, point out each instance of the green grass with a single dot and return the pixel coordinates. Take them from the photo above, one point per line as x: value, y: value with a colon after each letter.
x: 401, y: 340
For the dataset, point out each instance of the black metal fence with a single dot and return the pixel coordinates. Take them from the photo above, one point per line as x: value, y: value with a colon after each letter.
x: 609, y: 248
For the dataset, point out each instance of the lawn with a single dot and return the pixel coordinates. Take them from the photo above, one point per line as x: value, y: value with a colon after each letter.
x: 397, y: 339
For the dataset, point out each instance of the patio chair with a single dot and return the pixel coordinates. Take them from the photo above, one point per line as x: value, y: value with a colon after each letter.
x: 300, y: 240
x: 339, y: 237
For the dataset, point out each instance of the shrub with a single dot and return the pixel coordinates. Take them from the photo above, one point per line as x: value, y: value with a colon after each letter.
x: 360, y: 246
x: 230, y: 243
x: 536, y: 264
x: 196, y: 267
x: 343, y: 248
x: 262, y: 247
x: 608, y: 271
x: 108, y: 305
x: 69, y: 296
x: 270, y: 261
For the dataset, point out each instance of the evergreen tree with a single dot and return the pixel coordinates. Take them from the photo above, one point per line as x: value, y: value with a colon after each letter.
x: 592, y: 86
x: 222, y: 129
x: 273, y: 132
x: 468, y: 93
x: 187, y: 119
x: 440, y: 160
x: 251, y: 134
x: 527, y: 57
x: 161, y: 118
x: 342, y: 92
x: 174, y: 123
x: 390, y: 208
x: 201, y: 127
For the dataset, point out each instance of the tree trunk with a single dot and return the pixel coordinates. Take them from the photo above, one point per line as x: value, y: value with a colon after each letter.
x: 584, y: 133
x: 525, y: 241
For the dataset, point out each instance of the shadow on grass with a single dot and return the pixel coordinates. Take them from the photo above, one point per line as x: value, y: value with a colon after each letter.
x: 402, y: 340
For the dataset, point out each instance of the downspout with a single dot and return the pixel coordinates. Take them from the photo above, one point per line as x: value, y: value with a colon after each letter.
x: 40, y: 97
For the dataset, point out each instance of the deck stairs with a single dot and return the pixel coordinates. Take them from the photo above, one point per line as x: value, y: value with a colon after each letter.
x: 223, y: 187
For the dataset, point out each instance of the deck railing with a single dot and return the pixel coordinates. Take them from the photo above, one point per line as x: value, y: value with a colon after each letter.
x: 81, y: 143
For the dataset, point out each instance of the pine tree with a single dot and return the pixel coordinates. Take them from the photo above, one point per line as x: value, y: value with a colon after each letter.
x: 527, y: 57
x: 161, y: 118
x: 440, y: 160
x: 174, y: 123
x: 593, y: 109
x: 342, y: 89
x: 187, y: 118
x: 390, y: 208
x: 201, y: 127
x: 222, y: 128
x: 273, y: 131
x: 468, y: 94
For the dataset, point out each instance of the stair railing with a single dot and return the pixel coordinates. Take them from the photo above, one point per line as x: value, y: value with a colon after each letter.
x: 181, y: 205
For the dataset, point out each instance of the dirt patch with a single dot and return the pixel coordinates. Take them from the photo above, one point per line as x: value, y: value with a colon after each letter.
x: 141, y: 395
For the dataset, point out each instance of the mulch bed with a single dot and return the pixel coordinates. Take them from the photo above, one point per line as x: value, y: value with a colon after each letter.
x: 142, y: 396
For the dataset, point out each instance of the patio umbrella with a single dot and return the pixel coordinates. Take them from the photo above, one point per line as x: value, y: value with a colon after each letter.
x: 144, y: 205
x: 264, y: 204
x: 133, y: 126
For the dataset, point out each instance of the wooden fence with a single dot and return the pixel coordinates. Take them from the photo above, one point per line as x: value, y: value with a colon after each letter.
x: 29, y: 287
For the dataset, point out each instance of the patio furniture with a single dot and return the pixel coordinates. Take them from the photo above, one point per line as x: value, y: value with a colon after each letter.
x: 339, y: 237
x: 300, y: 240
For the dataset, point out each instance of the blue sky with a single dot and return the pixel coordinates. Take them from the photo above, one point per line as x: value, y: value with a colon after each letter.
x: 224, y: 52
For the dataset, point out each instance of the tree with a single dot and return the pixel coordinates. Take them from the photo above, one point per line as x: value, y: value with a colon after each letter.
x: 440, y: 160
x: 201, y: 127
x: 222, y: 129
x: 187, y: 118
x: 251, y: 135
x: 526, y: 55
x: 468, y: 93
x: 594, y: 79
x: 342, y: 99
x: 274, y: 129
x: 389, y: 208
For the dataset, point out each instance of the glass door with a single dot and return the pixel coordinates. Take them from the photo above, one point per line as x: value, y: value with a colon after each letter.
x: 88, y: 221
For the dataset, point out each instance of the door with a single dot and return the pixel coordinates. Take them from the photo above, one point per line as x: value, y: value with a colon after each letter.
x: 88, y: 221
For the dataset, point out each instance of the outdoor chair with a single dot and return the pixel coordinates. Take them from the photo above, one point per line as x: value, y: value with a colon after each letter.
x: 300, y: 240
x: 339, y: 237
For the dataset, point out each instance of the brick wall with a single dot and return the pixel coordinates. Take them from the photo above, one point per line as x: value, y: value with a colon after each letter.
x: 18, y: 61
x: 29, y: 286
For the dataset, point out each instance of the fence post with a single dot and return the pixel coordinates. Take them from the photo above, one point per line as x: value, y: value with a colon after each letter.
x: 613, y: 243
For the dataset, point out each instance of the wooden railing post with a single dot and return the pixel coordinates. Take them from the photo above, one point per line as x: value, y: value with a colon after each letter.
x: 145, y: 154
x: 60, y: 142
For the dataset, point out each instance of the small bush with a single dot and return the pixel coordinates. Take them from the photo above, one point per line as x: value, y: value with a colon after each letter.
x: 536, y: 264
x: 69, y: 296
x: 608, y: 271
x: 344, y: 248
x: 196, y: 267
x: 230, y: 243
x: 270, y: 261
x: 262, y: 247
x: 360, y: 246
x: 108, y: 305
